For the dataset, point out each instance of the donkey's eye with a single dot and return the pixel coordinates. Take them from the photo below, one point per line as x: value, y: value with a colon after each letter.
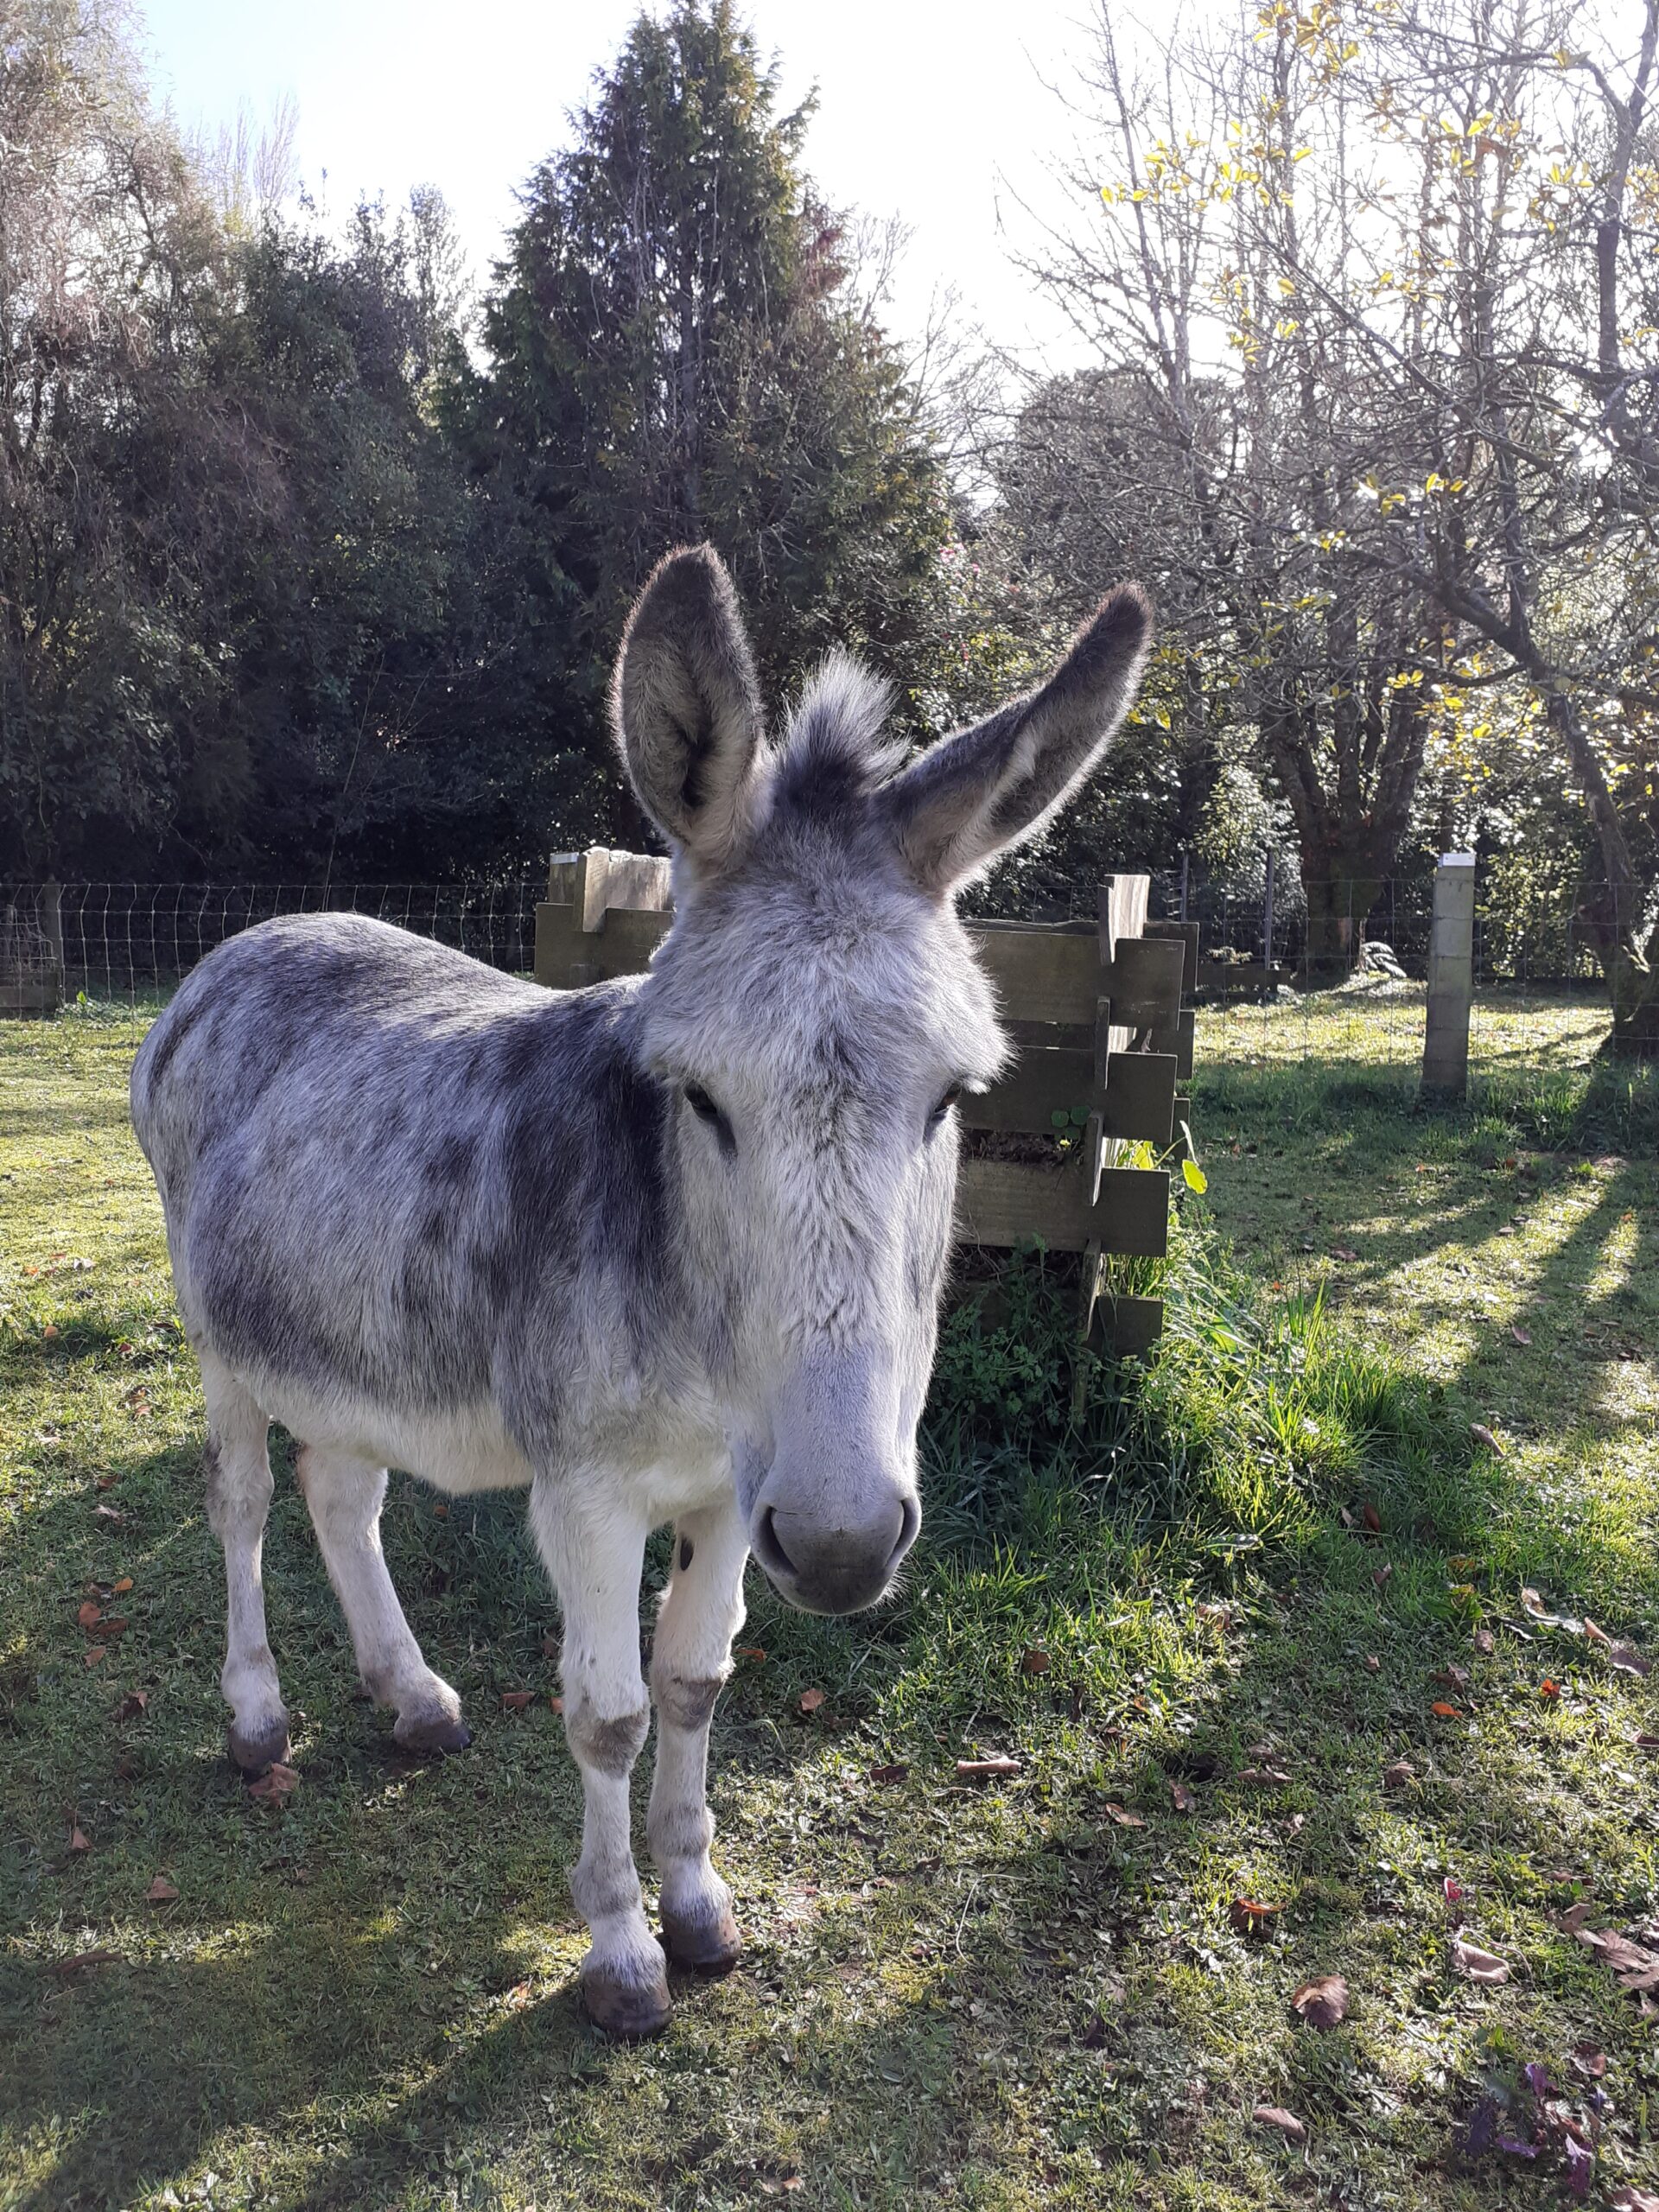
x: 944, y: 1105
x: 701, y: 1104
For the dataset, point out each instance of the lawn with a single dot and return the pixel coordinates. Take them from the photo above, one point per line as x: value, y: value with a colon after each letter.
x: 1213, y: 1624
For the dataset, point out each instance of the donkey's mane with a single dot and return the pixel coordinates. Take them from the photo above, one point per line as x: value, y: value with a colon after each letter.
x: 834, y: 752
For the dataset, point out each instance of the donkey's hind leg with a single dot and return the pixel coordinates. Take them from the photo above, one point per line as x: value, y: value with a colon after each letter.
x: 344, y: 1494
x: 238, y: 1497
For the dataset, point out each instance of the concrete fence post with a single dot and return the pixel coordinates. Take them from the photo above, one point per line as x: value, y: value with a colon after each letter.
x: 1450, y: 978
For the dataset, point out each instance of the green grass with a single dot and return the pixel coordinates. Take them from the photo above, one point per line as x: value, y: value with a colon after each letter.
x: 956, y: 1994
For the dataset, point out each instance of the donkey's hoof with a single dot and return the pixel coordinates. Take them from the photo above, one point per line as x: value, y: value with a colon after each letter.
x: 260, y: 1747
x: 632, y: 2010
x: 711, y: 1946
x: 427, y: 1732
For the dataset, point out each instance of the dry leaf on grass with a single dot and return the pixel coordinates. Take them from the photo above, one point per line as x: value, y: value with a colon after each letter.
x: 1182, y: 1798
x: 1121, y: 1819
x: 1373, y: 1665
x: 1323, y: 2002
x: 1480, y: 1965
x: 1636, y: 1967
x: 1251, y: 1918
x: 1549, y: 1689
x: 1632, y: 2199
x: 122, y: 1587
x: 1445, y: 1712
x: 102, y: 1956
x: 986, y: 1770
x: 555, y: 1704
x: 895, y: 1771
x: 811, y: 1701
x: 79, y: 1840
x: 1575, y: 1916
x: 1257, y: 1776
x: 1034, y: 1661
x: 275, y: 1785
x: 1454, y: 1678
x: 1485, y: 1641
x: 1589, y: 2062
x: 1482, y: 1434
x: 1522, y: 1336
x: 1286, y: 2122
x: 93, y: 1653
x: 1384, y: 1574
x: 89, y: 1616
x: 515, y: 1700
x: 1399, y: 1775
x: 161, y: 1891
x: 132, y: 1705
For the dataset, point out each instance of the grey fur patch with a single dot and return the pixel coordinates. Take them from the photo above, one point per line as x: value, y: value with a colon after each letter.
x: 609, y: 1746
x: 683, y: 1704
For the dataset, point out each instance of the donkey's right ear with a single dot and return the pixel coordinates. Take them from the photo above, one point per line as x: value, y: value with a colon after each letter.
x: 686, y: 708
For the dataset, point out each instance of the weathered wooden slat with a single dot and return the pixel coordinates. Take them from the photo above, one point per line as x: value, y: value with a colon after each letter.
x: 1186, y: 934
x: 1122, y: 912
x: 1144, y: 982
x: 567, y: 957
x: 1183, y: 1040
x: 1041, y: 1084
x: 1139, y: 1100
x: 1041, y: 975
x: 1128, y: 1327
x: 1006, y: 1202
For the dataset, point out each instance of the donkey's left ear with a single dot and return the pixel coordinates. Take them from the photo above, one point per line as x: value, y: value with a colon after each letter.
x: 686, y: 708
x: 973, y: 794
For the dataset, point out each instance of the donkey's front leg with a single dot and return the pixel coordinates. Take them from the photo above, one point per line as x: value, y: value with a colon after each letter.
x: 594, y: 1551
x: 702, y: 1610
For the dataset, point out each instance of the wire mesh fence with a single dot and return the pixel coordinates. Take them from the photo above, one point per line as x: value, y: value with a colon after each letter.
x: 127, y: 942
x: 1286, y: 972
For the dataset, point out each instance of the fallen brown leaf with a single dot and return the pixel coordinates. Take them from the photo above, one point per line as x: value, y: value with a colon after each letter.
x: 1384, y: 1574
x: 108, y: 1513
x: 1286, y: 2122
x: 161, y: 1891
x: 1548, y: 1689
x: 91, y: 1656
x: 986, y: 1770
x: 1034, y: 1661
x: 1258, y: 1775
x: 1485, y: 1642
x: 752, y: 1652
x: 1373, y: 1665
x: 1454, y: 1678
x: 1372, y: 1519
x: 1480, y: 1965
x: 1122, y: 1819
x: 1520, y: 1335
x: 1589, y: 2062
x: 811, y: 1701
x: 1482, y: 1434
x: 1576, y: 1915
x: 1322, y: 2003
x: 1447, y: 1711
x: 1344, y: 1252
x: 89, y: 1616
x: 121, y: 1588
x: 132, y: 1705
x: 1637, y: 1968
x: 79, y: 1840
x: 549, y: 1647
x: 1251, y: 1918
x: 1399, y: 1775
x: 894, y: 1771
x: 515, y: 1700
x: 1182, y: 1798
x: 555, y: 1704
x: 1624, y: 1659
x: 275, y: 1785
x: 1295, y: 1824
x: 102, y: 1956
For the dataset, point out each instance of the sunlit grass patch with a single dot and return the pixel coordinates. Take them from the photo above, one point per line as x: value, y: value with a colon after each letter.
x: 1016, y: 1992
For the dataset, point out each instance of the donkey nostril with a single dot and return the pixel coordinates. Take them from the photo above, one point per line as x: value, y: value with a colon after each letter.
x: 769, y: 1545
x: 910, y: 1521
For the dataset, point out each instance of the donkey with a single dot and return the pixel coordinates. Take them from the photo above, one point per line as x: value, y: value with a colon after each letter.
x: 666, y: 1249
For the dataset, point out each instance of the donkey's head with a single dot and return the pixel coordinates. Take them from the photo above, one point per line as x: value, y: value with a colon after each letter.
x: 816, y: 1012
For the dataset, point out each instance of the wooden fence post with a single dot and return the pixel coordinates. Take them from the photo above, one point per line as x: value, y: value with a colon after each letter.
x: 1450, y: 978
x: 52, y: 925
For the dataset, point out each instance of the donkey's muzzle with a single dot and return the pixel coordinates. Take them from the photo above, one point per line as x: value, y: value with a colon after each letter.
x: 834, y: 1565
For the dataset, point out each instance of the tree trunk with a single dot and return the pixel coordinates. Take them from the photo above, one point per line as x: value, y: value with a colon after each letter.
x: 1341, y: 893
x: 1634, y: 984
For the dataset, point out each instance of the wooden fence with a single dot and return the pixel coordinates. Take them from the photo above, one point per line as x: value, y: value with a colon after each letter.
x: 1102, y: 1016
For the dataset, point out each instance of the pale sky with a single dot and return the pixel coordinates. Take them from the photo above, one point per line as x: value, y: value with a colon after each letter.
x: 936, y: 110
